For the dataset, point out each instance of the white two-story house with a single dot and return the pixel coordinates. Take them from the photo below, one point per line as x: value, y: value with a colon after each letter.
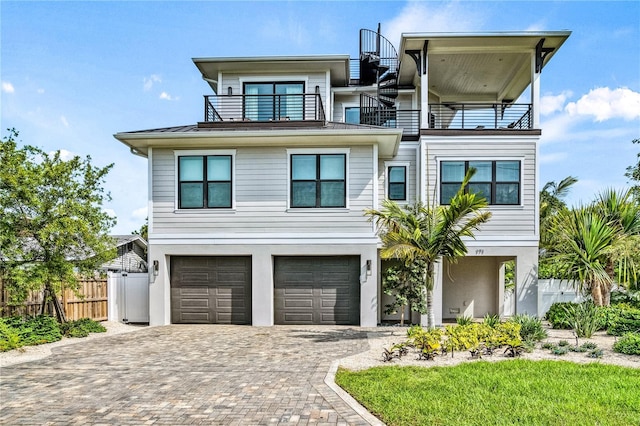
x: 256, y: 212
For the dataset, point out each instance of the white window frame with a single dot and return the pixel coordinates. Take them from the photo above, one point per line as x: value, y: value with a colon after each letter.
x: 318, y: 151
x: 204, y: 152
x: 387, y: 165
x: 344, y: 109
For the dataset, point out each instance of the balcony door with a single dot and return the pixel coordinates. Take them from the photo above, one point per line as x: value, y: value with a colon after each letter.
x: 274, y: 101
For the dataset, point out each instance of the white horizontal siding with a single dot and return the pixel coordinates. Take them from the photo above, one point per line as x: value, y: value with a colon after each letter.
x: 261, y: 184
x: 406, y: 153
x: 506, y: 220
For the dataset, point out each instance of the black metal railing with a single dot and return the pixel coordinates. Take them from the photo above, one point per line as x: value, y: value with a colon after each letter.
x: 280, y: 107
x: 375, y: 113
x: 377, y: 56
x: 480, y: 116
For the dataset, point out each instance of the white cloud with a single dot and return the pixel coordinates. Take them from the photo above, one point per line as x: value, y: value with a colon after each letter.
x: 603, y: 104
x: 150, y: 81
x: 40, y: 91
x: 8, y: 87
x: 167, y: 97
x: 419, y: 16
x: 64, y: 154
x: 64, y: 121
x: 110, y: 212
x: 553, y: 103
x: 140, y: 214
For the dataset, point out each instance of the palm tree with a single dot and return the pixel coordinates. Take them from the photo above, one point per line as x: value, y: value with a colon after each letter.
x: 427, y: 234
x: 598, y: 245
x: 551, y: 203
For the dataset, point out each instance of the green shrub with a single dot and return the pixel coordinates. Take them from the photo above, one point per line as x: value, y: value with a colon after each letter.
x: 557, y: 315
x: 583, y: 318
x: 82, y: 328
x: 39, y: 330
x: 607, y: 315
x: 464, y: 320
x: 628, y: 344
x: 626, y: 321
x: 531, y: 329
x: 491, y: 320
x: 631, y: 299
x: 9, y: 338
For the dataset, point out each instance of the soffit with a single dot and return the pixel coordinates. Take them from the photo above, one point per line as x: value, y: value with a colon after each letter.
x: 388, y: 140
x: 480, y: 67
x: 338, y: 65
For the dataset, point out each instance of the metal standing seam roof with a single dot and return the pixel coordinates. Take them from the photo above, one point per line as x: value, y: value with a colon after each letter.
x: 236, y: 126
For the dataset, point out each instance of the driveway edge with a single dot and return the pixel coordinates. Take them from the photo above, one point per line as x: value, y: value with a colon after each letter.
x: 329, y: 380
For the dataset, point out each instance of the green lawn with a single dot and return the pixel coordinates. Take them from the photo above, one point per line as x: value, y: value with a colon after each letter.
x: 499, y: 393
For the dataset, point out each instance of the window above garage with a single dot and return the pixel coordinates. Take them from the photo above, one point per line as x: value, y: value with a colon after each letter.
x: 318, y: 178
x: 205, y: 179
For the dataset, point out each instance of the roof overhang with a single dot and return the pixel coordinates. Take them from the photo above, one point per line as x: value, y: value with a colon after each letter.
x: 387, y: 139
x: 483, y: 67
x: 338, y: 65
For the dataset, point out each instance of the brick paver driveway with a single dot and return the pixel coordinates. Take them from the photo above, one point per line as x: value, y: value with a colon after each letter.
x: 186, y: 374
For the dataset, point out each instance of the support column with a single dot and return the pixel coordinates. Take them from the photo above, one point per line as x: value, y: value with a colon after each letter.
x: 535, y: 92
x: 526, y: 276
x: 424, y: 93
x: 262, y: 277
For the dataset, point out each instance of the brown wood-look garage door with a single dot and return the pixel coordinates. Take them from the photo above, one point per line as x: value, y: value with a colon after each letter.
x: 210, y: 290
x: 317, y: 290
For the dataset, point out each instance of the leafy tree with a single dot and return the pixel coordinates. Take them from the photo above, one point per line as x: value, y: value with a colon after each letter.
x: 633, y: 173
x: 52, y: 226
x: 426, y: 234
x: 144, y: 230
x: 598, y: 245
x: 405, y: 282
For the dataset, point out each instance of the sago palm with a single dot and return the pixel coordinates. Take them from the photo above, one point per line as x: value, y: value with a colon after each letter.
x: 429, y: 233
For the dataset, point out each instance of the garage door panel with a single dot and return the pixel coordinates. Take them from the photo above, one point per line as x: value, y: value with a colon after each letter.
x: 222, y: 294
x: 333, y: 296
x: 299, y: 318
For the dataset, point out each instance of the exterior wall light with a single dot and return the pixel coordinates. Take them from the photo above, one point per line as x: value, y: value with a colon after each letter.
x: 156, y: 268
x: 369, y: 267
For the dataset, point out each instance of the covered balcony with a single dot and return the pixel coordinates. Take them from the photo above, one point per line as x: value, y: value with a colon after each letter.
x: 301, y: 109
x: 479, y: 116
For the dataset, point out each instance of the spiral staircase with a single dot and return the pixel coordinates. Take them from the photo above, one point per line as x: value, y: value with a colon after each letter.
x: 378, y: 66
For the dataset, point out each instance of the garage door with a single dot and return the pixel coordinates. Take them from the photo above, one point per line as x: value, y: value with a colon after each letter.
x: 210, y: 290
x: 317, y: 290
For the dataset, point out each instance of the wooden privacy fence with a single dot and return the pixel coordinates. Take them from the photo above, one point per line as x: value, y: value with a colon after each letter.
x: 91, y: 301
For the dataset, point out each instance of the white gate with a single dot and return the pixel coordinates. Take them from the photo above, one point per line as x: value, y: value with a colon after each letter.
x: 554, y: 290
x: 128, y: 297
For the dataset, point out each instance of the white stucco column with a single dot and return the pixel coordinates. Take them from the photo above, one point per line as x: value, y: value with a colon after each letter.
x: 159, y: 290
x: 527, y: 281
x: 262, y: 277
x: 369, y: 297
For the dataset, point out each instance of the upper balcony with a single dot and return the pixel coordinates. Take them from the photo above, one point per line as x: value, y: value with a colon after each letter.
x: 480, y: 116
x: 290, y: 110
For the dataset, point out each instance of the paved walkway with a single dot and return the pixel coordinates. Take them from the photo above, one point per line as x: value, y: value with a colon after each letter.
x: 186, y: 374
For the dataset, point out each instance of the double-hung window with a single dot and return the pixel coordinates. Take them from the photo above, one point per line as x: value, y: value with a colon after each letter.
x: 397, y: 183
x: 497, y: 181
x: 274, y: 101
x: 318, y: 180
x: 204, y: 181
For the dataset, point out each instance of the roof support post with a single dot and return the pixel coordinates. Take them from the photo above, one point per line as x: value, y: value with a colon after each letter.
x: 424, y: 88
x: 535, y: 93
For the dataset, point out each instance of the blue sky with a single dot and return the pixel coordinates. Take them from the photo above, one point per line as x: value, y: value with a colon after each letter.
x: 75, y: 73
